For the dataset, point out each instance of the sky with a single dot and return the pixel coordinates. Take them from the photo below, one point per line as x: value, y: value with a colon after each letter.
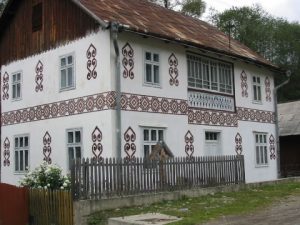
x: 288, y: 9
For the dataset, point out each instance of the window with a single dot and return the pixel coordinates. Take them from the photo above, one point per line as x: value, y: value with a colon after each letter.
x: 37, y: 17
x: 151, y: 68
x: 212, y: 143
x: 261, y: 149
x: 150, y: 138
x: 67, y: 76
x: 21, y: 153
x: 205, y: 73
x: 74, y: 144
x: 16, y: 86
x: 256, y: 89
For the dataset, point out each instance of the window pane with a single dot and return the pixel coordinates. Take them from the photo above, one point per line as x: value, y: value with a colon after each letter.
x: 63, y: 62
x: 146, y: 151
x: 16, y: 160
x: 156, y: 74
x: 18, y: 77
x: 261, y: 154
x: 70, y: 77
x: 160, y: 135
x: 265, y: 138
x: 14, y: 77
x: 18, y: 95
x: 255, y: 92
x: 148, y: 73
x: 26, y: 141
x: 21, y: 142
x: 21, y: 161
x: 156, y: 58
x: 16, y: 142
x: 71, y: 153
x: 63, y: 78
x: 258, y: 93
x: 14, y: 91
x: 258, y: 80
x: 70, y: 137
x: 256, y: 138
x: 26, y: 160
x: 153, y: 135
x: 266, y: 155
x: 146, y: 135
x: 148, y: 56
x: 77, y: 137
x: 254, y: 79
x: 257, y: 155
x: 78, y: 152
x: 70, y: 59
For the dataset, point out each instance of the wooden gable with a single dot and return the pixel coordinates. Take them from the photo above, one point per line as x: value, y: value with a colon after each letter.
x: 29, y: 27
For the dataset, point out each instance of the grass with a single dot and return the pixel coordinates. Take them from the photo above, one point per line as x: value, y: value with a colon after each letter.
x: 204, y: 208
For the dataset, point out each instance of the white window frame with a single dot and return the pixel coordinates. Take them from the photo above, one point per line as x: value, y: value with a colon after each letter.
x: 256, y: 89
x: 261, y: 149
x: 219, y: 82
x: 17, y: 153
x: 149, y: 142
x: 74, y: 144
x: 152, y: 63
x: 217, y: 141
x: 15, y: 84
x: 65, y: 68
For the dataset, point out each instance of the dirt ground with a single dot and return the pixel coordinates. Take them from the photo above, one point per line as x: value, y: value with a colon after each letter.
x: 283, y: 212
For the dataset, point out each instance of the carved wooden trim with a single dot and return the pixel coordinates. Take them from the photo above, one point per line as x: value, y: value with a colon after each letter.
x: 189, y: 147
x: 6, y: 152
x: 238, y: 144
x: 127, y: 61
x: 39, y: 76
x: 244, y: 84
x: 91, y: 62
x: 5, y: 86
x: 47, y: 148
x: 173, y: 71
x: 130, y: 147
x: 272, y: 147
x: 97, y: 147
x: 268, y: 89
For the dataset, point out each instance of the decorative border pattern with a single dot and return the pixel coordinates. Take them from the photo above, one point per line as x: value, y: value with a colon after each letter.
x: 173, y: 71
x: 211, y: 117
x: 97, y: 147
x: 5, y: 86
x: 189, y: 147
x: 244, y: 84
x: 143, y: 103
x: 127, y: 61
x: 272, y: 147
x: 238, y: 144
x: 39, y: 76
x: 92, y: 62
x: 268, y: 89
x: 6, y: 152
x: 47, y: 148
x: 130, y: 147
x: 255, y: 115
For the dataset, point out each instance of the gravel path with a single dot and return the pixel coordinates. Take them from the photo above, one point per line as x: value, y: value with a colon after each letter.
x: 283, y: 212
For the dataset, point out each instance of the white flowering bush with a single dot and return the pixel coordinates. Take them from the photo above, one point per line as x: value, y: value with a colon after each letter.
x: 46, y: 176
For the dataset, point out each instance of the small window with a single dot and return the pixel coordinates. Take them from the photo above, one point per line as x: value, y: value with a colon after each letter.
x: 74, y: 144
x: 213, y: 143
x: 37, y: 17
x: 16, y: 86
x: 21, y: 146
x: 151, y: 136
x: 67, y: 75
x: 152, y: 68
x: 261, y: 149
x: 256, y: 82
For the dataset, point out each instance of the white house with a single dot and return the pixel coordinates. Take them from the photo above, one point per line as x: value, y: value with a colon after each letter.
x: 110, y: 78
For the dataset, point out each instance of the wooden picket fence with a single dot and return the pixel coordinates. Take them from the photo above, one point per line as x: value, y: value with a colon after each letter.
x: 94, y: 179
x: 50, y: 207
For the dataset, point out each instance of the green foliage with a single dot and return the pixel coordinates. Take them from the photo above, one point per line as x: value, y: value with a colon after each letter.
x: 274, y: 38
x: 47, y: 177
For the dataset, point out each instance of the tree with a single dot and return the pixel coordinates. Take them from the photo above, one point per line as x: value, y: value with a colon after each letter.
x: 193, y: 8
x: 274, y: 38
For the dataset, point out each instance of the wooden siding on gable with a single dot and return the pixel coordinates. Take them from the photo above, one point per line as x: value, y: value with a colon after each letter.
x: 62, y: 21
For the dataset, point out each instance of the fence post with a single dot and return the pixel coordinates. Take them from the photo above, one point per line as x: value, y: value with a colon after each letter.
x: 236, y: 170
x: 73, y: 188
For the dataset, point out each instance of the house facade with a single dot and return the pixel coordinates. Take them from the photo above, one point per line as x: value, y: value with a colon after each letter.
x: 72, y: 86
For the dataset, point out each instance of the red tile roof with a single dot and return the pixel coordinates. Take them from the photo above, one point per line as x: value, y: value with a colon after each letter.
x: 148, y: 18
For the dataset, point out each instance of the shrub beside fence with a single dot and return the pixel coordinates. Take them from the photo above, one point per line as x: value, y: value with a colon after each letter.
x: 92, y: 179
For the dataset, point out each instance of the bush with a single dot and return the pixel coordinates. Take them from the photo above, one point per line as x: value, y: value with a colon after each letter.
x: 46, y: 176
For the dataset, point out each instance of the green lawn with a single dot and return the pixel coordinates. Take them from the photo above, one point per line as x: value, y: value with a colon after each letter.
x: 200, y: 209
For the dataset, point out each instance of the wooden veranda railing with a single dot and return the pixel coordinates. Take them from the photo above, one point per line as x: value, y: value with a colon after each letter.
x: 92, y: 179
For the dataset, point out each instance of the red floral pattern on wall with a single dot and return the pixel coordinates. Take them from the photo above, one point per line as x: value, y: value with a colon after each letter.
x: 92, y: 62
x: 272, y: 147
x: 238, y: 144
x: 127, y: 61
x: 130, y: 147
x: 244, y: 84
x: 47, y: 148
x: 173, y: 71
x: 189, y: 147
x: 5, y: 86
x: 268, y: 89
x: 39, y: 76
x: 6, y: 152
x: 97, y: 147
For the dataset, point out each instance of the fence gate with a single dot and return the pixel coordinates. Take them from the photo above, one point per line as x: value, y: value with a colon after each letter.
x: 50, y: 207
x: 13, y: 205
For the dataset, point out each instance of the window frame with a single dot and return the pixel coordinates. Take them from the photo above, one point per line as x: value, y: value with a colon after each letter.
x: 265, y: 146
x: 13, y: 83
x: 152, y: 63
x: 74, y: 144
x: 66, y: 67
x: 150, y: 142
x: 200, y: 76
x: 19, y: 149
x: 256, y: 84
x: 218, y: 142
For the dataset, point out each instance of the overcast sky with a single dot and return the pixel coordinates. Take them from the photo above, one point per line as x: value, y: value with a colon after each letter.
x: 288, y: 9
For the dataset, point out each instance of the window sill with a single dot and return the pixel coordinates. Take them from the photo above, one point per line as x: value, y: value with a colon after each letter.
x: 21, y: 172
x: 152, y: 85
x: 67, y: 89
x: 262, y: 166
x: 16, y: 99
x: 257, y: 102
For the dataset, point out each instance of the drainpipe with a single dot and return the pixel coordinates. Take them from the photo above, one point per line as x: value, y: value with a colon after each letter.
x: 288, y: 74
x: 115, y: 30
